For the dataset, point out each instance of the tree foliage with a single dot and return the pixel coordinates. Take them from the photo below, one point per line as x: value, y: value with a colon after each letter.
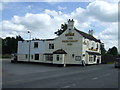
x: 103, y: 51
x: 9, y: 44
x: 112, y: 51
x: 60, y: 31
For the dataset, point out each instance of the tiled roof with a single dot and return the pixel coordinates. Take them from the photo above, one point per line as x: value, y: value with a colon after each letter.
x: 59, y: 51
x: 93, y: 53
x: 48, y: 54
x: 87, y: 36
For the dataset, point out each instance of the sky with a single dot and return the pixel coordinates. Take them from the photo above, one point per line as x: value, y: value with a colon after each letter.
x: 42, y: 19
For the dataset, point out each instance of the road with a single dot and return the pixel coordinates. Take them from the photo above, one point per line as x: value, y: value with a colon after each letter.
x: 26, y: 75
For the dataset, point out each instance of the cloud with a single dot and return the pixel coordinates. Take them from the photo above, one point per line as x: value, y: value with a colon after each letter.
x: 61, y: 8
x: 29, y: 7
x: 44, y: 24
x: 103, y: 11
x: 110, y: 35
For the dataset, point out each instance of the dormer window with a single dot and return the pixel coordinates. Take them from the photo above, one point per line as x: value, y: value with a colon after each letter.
x: 93, y: 45
x: 97, y: 46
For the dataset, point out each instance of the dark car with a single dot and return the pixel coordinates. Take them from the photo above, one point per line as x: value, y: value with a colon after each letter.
x: 117, y: 62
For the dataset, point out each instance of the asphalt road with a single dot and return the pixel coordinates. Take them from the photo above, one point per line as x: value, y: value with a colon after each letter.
x: 26, y: 75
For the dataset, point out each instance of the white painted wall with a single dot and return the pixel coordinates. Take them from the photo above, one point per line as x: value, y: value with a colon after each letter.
x: 23, y: 49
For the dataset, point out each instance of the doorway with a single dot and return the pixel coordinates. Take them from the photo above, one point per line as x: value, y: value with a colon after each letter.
x: 36, y: 56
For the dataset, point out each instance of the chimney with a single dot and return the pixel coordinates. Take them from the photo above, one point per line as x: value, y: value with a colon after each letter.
x: 91, y: 32
x: 70, y: 24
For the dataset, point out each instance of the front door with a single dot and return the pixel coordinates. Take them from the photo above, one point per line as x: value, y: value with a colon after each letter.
x: 36, y: 56
x: 98, y: 60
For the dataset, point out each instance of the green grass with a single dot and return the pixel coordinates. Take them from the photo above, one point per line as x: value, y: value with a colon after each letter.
x: 110, y: 62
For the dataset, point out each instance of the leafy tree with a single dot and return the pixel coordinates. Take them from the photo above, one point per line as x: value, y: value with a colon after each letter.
x: 9, y: 44
x: 103, y: 51
x: 60, y: 31
x: 112, y: 51
x: 0, y: 45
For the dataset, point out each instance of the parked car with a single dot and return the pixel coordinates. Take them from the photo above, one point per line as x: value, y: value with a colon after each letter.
x: 117, y: 62
x: 14, y: 59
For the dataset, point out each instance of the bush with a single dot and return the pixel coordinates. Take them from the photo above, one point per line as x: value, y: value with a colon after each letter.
x: 6, y: 56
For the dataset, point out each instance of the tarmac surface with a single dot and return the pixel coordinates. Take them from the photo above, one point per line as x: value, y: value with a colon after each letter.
x: 27, y: 75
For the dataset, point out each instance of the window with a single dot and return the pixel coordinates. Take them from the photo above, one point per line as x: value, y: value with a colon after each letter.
x: 93, y: 45
x: 35, y: 44
x: 97, y: 46
x: 57, y: 58
x: 90, y: 59
x: 94, y: 58
x: 26, y: 56
x: 36, y: 56
x: 49, y: 57
x: 88, y: 44
x: 51, y: 46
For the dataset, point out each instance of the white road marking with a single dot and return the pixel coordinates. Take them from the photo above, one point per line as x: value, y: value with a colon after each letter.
x: 95, y: 78
x: 70, y: 85
x: 66, y: 87
x: 105, y: 75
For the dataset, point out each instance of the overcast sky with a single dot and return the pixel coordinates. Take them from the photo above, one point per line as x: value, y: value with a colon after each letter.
x: 44, y: 18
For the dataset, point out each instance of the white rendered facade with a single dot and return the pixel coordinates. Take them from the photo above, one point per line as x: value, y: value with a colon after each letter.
x: 71, y: 47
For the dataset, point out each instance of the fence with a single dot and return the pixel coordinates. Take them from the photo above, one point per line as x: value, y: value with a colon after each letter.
x: 107, y: 59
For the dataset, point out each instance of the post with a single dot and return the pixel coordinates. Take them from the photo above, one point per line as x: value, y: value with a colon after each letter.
x: 64, y: 61
x: 29, y: 46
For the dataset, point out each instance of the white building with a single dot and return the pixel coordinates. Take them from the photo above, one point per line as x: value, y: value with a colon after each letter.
x: 71, y: 47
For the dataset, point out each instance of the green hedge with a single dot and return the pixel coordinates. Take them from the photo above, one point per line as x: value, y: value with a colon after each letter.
x: 5, y: 56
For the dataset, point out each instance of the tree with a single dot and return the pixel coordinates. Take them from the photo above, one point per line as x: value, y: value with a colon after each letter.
x: 60, y: 31
x: 9, y: 44
x: 19, y: 38
x: 112, y: 51
x: 103, y: 51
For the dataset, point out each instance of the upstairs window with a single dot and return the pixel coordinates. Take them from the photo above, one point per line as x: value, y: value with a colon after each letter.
x: 88, y: 44
x: 51, y: 46
x: 35, y: 44
x: 97, y: 46
x: 93, y: 45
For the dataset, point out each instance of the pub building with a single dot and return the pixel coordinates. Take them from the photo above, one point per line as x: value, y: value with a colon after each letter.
x: 71, y: 47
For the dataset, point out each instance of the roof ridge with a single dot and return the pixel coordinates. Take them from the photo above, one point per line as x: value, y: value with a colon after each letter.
x: 87, y: 35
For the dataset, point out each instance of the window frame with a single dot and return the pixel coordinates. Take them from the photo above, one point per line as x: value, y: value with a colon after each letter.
x: 51, y: 46
x: 49, y: 57
x: 35, y: 44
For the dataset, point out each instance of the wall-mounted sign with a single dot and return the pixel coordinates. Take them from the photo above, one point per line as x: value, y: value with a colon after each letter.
x: 77, y: 58
x: 69, y: 40
x: 69, y: 34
